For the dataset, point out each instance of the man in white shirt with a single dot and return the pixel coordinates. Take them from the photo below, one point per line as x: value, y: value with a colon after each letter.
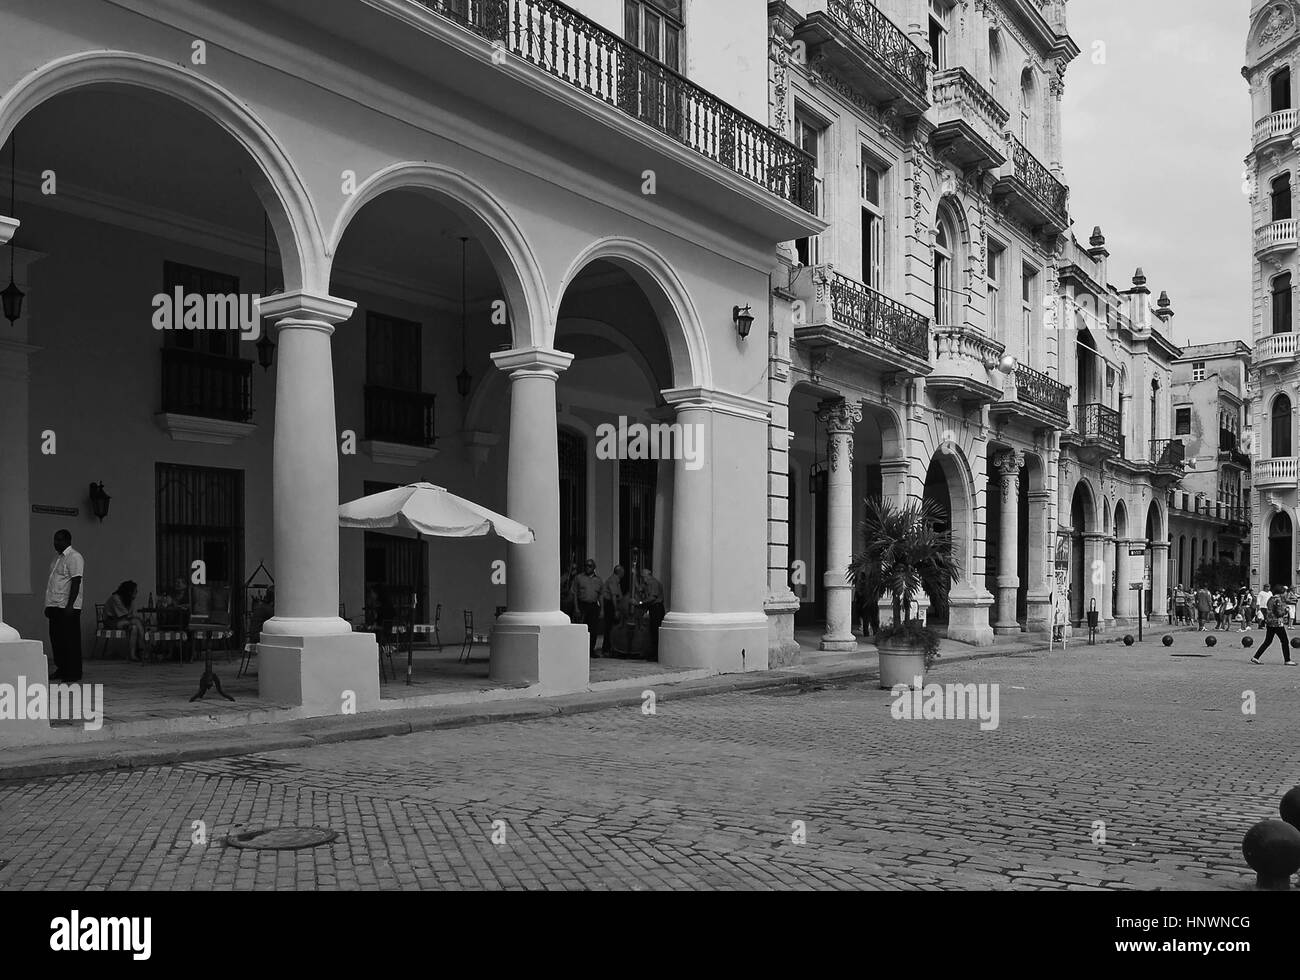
x: 63, y: 608
x: 1265, y: 593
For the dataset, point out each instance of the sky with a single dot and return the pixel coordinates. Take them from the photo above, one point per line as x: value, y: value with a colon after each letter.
x: 1156, y: 124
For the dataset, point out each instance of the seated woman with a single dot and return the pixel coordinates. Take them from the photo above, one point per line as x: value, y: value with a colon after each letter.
x: 119, y: 614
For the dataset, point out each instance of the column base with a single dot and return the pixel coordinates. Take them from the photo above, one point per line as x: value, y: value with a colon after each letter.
x: 1007, y: 629
x: 783, y: 649
x: 1039, y: 614
x: 968, y: 618
x: 555, y: 657
x: 22, y: 665
x: 839, y: 644
x: 723, y: 642
x: 324, y: 674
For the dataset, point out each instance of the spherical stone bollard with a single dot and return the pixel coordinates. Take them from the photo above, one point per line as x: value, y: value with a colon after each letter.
x: 1210, y: 641
x: 1128, y: 640
x: 1295, y: 643
x: 1272, y: 849
x: 1290, y: 807
x: 1168, y: 640
x: 1247, y: 642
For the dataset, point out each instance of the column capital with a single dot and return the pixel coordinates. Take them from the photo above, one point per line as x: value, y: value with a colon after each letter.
x: 312, y: 311
x: 532, y: 362
x: 1159, y: 545
x: 7, y: 228
x: 839, y: 415
x: 1009, y: 463
x: 713, y: 400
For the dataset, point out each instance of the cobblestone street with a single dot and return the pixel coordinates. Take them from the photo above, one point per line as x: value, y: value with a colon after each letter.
x: 705, y: 793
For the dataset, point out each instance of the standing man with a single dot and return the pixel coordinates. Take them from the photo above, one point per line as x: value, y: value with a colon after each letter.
x: 587, y: 592
x: 613, y: 606
x: 1203, y: 607
x: 1274, y: 618
x: 653, y: 597
x: 63, y: 608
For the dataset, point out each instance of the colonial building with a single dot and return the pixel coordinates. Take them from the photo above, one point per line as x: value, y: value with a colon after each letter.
x: 481, y: 231
x: 1209, y: 517
x: 1119, y: 461
x: 909, y: 355
x: 1272, y: 52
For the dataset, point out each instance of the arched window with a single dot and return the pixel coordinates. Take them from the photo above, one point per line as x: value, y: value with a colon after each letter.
x: 1281, y: 427
x: 1282, y: 303
x: 1279, y: 87
x: 1026, y: 104
x: 1281, y: 197
x: 946, y: 306
x: 995, y: 62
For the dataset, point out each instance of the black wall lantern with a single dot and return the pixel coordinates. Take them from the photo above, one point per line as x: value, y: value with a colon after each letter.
x: 12, y: 296
x: 744, y: 319
x: 99, y: 500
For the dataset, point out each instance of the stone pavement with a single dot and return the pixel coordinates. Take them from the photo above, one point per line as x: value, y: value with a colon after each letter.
x: 707, y: 792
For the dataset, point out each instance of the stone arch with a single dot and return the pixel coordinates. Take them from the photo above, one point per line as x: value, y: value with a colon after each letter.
x: 1121, y: 520
x: 955, y: 468
x: 528, y: 304
x: 672, y: 304
x: 1089, y: 509
x: 1157, y: 528
x: 274, y: 178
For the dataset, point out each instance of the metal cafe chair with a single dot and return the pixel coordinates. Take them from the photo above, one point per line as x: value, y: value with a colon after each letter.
x: 103, y: 635
x: 165, y: 628
x: 471, y: 638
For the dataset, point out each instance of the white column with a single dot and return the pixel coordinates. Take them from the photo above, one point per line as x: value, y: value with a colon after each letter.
x: 309, y: 655
x: 1159, y: 580
x: 1095, y: 578
x: 1125, y: 608
x: 1042, y: 552
x: 533, y: 641
x: 840, y: 418
x: 1008, y: 465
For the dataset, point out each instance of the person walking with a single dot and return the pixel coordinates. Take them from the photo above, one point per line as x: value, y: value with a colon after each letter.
x: 63, y: 608
x: 1274, y: 620
x: 1229, y: 609
x: 1203, y: 607
x: 588, y: 590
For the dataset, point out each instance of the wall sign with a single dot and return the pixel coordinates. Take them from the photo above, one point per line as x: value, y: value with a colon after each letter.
x: 57, y: 511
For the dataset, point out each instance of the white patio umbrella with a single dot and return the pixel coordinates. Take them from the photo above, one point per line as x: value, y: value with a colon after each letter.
x: 426, y: 509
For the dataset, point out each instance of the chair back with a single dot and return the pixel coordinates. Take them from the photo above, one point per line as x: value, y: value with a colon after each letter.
x: 437, y: 614
x: 99, y: 615
x: 469, y: 620
x: 210, y: 604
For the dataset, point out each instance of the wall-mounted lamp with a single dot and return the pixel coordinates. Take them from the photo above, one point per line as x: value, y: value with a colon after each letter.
x: 744, y: 319
x: 99, y: 500
x: 12, y: 296
x: 1008, y: 364
x: 266, y: 349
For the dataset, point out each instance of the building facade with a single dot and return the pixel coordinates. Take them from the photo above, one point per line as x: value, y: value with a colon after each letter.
x: 1209, y: 515
x: 481, y: 233
x: 1272, y: 60
x: 909, y: 358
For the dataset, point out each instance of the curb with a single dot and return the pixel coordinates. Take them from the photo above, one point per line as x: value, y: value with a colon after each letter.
x: 145, y: 751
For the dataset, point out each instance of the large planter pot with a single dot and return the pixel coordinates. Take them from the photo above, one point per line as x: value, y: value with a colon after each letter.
x: 900, y: 663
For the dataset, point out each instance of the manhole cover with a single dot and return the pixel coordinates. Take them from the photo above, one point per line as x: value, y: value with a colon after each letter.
x: 283, y: 838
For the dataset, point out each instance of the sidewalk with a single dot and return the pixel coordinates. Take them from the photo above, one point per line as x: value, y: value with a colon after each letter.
x: 171, y: 738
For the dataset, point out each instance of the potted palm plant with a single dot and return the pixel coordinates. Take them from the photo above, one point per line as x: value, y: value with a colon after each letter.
x: 904, y: 554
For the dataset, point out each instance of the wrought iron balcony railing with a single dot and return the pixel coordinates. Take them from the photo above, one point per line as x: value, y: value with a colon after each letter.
x: 1039, y: 181
x: 400, y: 416
x: 1167, y: 453
x: 565, y: 44
x: 1035, y: 388
x: 877, y: 316
x: 883, y: 38
x: 1099, y: 424
x: 206, y: 385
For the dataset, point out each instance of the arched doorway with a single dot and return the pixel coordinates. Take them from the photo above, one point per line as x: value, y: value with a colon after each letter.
x: 1083, y: 519
x: 938, y: 493
x: 1119, y: 602
x: 1154, y: 577
x: 1280, y: 550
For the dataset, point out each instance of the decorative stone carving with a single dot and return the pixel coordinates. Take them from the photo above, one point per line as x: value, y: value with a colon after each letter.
x: 840, y: 416
x: 1280, y: 24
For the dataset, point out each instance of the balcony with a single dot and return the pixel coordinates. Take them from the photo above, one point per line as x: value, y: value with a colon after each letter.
x: 1275, y: 474
x: 869, y: 51
x: 1030, y: 191
x: 971, y: 121
x: 1277, y: 236
x: 1168, y: 457
x: 1230, y: 450
x: 966, y: 363
x: 1096, y: 434
x: 399, y: 425
x: 1276, y: 127
x: 845, y: 314
x: 569, y: 77
x: 1276, y: 347
x: 1034, y: 397
x: 205, y: 397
